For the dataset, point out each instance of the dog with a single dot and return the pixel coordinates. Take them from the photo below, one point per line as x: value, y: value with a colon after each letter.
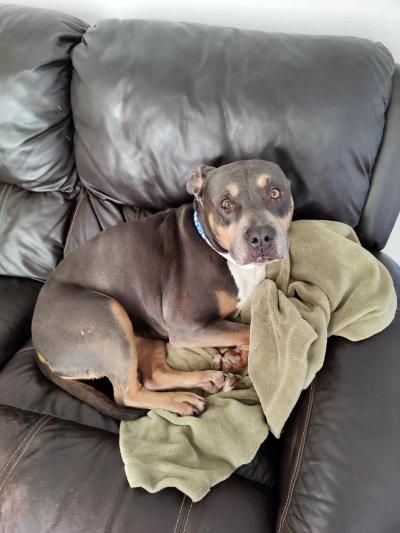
x: 110, y: 306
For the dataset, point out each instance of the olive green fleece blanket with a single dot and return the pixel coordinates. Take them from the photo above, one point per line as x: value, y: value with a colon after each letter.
x: 328, y: 285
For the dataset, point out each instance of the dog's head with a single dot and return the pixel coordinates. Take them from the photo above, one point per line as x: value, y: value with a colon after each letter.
x: 245, y: 209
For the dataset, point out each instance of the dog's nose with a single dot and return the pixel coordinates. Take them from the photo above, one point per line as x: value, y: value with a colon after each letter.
x: 259, y: 236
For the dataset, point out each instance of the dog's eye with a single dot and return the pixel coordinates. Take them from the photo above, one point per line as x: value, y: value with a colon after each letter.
x: 275, y: 193
x: 225, y: 204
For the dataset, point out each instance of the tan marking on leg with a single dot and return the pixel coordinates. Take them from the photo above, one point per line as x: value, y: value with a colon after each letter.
x: 130, y: 385
x: 227, y: 304
x: 262, y: 180
x: 122, y: 316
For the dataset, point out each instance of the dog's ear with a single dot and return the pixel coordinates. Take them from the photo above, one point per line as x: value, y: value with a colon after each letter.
x: 195, y: 183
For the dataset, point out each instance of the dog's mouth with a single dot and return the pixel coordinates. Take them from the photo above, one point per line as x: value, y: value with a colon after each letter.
x: 276, y: 251
x: 265, y: 259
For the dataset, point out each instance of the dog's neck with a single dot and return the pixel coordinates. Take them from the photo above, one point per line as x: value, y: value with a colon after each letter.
x: 202, y: 233
x: 225, y: 255
x: 246, y: 277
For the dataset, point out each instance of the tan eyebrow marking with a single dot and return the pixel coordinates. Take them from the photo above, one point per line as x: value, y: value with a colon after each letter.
x: 233, y: 189
x: 262, y: 180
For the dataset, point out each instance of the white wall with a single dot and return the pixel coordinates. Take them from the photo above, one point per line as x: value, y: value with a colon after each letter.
x: 378, y: 20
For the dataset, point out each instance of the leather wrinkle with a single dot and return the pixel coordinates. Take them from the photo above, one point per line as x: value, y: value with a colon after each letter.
x: 71, y: 226
x: 300, y: 450
x: 3, y: 199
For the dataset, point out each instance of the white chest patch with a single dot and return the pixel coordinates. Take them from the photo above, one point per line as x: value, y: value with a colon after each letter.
x: 246, y: 278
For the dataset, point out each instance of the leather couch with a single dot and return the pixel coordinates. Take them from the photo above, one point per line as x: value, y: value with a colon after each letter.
x: 104, y: 124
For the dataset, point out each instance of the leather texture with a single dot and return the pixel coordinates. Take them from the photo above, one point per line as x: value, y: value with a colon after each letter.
x: 33, y: 227
x: 92, y: 215
x: 41, y: 396
x: 341, y: 453
x: 17, y: 301
x: 56, y: 476
x: 36, y: 127
x: 150, y: 101
x: 38, y: 178
x: 168, y: 96
x: 383, y: 203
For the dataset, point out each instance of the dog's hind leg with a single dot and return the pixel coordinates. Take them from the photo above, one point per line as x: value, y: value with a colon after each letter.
x: 81, y: 334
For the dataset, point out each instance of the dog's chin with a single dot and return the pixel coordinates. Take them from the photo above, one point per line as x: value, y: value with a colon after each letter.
x: 265, y: 260
x: 246, y: 256
x: 252, y: 260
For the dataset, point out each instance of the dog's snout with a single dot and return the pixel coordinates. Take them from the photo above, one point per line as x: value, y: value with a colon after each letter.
x: 259, y: 237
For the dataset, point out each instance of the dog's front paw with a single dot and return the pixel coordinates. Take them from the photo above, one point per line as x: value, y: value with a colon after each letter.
x: 219, y: 381
x: 187, y: 404
x: 231, y: 382
x: 229, y: 359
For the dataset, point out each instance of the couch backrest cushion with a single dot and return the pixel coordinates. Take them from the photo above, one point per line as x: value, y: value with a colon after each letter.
x: 36, y: 128
x: 152, y: 100
x: 38, y: 178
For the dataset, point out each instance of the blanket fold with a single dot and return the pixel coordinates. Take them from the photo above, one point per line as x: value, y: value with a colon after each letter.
x: 328, y: 285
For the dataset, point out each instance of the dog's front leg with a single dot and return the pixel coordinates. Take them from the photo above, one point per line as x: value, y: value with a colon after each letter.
x: 221, y: 334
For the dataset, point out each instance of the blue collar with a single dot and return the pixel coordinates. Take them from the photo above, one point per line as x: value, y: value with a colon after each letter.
x: 199, y: 227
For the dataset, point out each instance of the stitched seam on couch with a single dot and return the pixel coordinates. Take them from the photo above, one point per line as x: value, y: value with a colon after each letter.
x: 187, y: 517
x: 183, y: 516
x: 21, y: 449
x: 299, y: 458
x: 180, y: 511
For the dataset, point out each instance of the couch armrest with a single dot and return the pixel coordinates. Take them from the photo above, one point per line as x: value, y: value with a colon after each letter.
x: 17, y: 301
x: 340, y: 465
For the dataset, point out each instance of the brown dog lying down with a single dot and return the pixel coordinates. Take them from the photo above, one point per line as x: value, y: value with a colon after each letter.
x: 109, y: 307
